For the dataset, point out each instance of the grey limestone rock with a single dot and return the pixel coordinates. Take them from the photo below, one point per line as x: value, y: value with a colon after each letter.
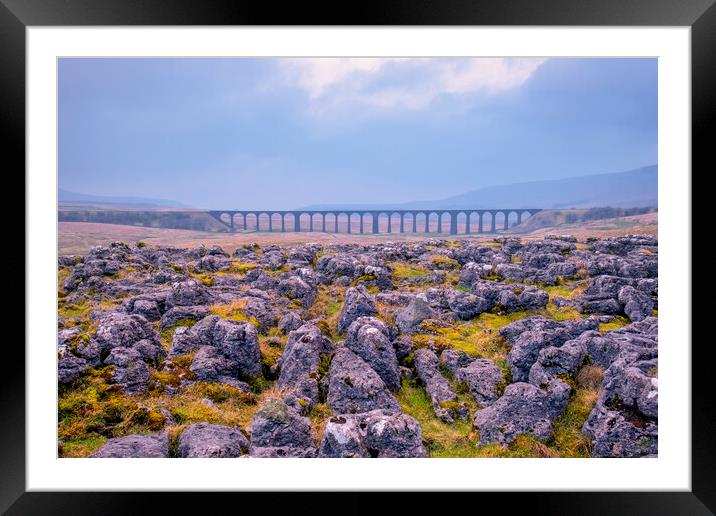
x: 355, y: 387
x: 135, y: 446
x: 207, y: 440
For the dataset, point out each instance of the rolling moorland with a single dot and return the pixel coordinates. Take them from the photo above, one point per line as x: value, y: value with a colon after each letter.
x: 80, y: 237
x: 536, y: 345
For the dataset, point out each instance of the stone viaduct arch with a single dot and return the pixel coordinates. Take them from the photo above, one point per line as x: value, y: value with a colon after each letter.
x: 453, y: 222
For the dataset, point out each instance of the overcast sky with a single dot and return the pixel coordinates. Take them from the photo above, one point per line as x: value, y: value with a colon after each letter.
x: 284, y: 133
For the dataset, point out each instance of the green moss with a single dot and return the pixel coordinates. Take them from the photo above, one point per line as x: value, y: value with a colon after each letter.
x: 83, y: 447
x: 77, y: 310
x: 205, y: 278
x: 440, y: 438
x: 220, y: 392
x: 364, y: 278
x: 318, y: 417
x: 234, y: 311
x: 401, y: 270
x: 562, y: 314
x: 271, y: 348
x: 618, y: 322
x: 444, y: 262
x: 176, y: 268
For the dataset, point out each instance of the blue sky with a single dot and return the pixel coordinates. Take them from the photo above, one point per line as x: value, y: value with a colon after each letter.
x: 285, y: 133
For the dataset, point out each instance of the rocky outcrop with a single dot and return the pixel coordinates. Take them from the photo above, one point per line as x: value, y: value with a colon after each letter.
x: 278, y: 430
x: 300, y: 363
x: 353, y: 386
x: 368, y: 338
x: 522, y: 409
x: 205, y: 440
x: 376, y: 434
x: 357, y: 303
x: 409, y: 318
x: 136, y: 323
x: 135, y: 446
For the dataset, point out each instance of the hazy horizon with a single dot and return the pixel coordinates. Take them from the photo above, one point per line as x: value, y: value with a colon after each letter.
x: 285, y: 133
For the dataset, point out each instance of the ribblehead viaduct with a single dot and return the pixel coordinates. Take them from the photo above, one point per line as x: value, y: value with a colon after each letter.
x: 374, y: 222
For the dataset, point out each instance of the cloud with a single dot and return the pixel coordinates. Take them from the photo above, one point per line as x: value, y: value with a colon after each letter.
x: 401, y: 83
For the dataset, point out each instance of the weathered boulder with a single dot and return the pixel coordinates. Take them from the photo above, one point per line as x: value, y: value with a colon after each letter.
x: 358, y: 303
x: 467, y: 305
x: 637, y: 305
x: 416, y: 312
x: 403, y: 346
x: 378, y: 434
x: 522, y: 409
x: 300, y: 363
x: 289, y: 321
x: 147, y: 308
x: 624, y: 421
x: 554, y: 361
x: 277, y: 430
x: 117, y: 329
x: 135, y: 446
x: 206, y: 440
x: 453, y: 360
x: 210, y: 365
x: 130, y: 371
x: 368, y: 338
x: 213, y: 263
x: 531, y: 335
x: 354, y: 387
x: 483, y: 378
x: 239, y: 342
x: 188, y: 293
x: 616, y: 434
x: 297, y: 288
x: 70, y: 367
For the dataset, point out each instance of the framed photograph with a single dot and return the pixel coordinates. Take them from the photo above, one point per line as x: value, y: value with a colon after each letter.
x: 417, y: 250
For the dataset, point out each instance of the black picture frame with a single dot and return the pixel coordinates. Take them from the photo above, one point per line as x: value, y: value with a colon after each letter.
x: 17, y: 15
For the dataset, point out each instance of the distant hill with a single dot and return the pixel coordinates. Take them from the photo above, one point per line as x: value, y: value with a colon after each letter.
x: 67, y: 197
x: 631, y: 189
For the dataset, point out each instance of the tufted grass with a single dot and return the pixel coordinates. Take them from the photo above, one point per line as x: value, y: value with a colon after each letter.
x: 402, y: 270
x: 92, y: 410
x: 83, y: 447
x: 472, y: 337
x: 327, y: 308
x: 440, y: 439
x: 233, y: 311
x: 271, y: 347
x: 204, y: 277
x: 63, y: 272
x: 568, y: 439
x: 318, y: 416
x: 444, y: 262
